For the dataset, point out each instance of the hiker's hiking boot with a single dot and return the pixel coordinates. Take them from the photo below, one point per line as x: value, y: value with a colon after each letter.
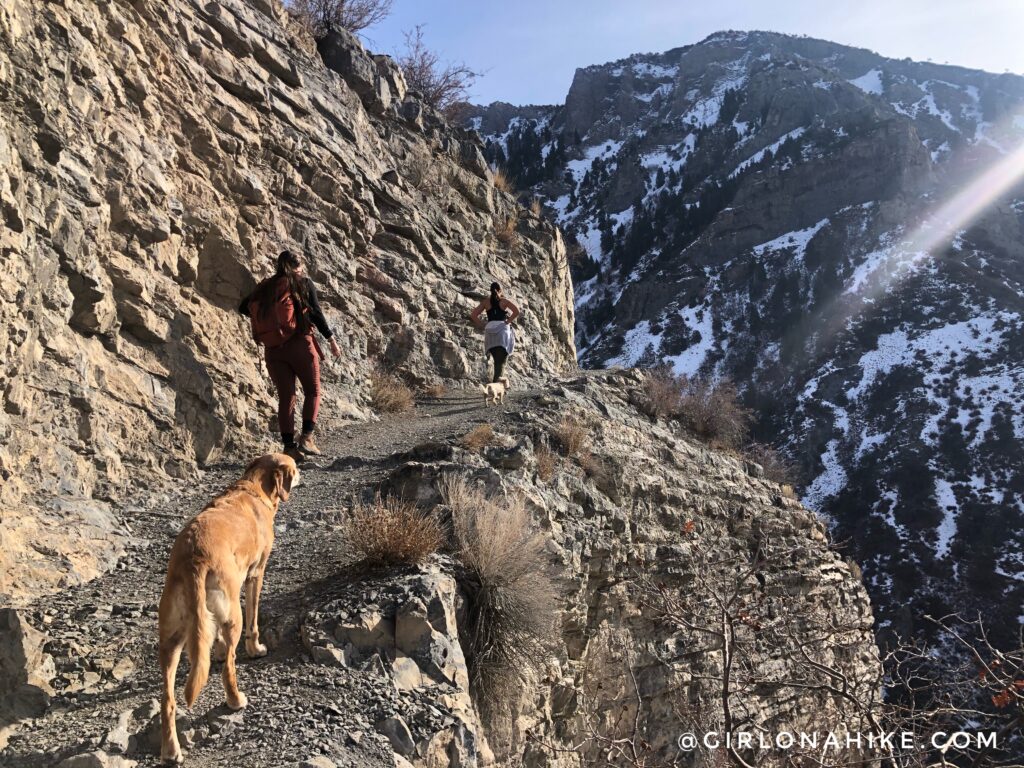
x: 295, y: 453
x: 306, y: 445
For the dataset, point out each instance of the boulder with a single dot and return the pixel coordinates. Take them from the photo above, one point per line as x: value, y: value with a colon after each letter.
x: 25, y: 672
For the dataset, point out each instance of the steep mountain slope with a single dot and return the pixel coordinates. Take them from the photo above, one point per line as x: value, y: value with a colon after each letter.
x: 843, y: 235
x: 154, y: 158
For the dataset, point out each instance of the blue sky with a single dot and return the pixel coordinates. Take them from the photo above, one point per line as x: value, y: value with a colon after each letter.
x: 528, y: 50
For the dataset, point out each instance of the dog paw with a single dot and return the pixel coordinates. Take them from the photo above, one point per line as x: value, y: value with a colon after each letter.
x: 220, y: 651
x: 256, y: 650
x: 174, y: 756
x: 240, y: 703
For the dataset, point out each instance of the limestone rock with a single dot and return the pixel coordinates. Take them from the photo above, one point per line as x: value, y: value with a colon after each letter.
x: 25, y: 672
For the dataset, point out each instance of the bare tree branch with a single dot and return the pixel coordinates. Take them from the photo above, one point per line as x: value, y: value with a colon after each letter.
x: 443, y: 86
x: 324, y: 16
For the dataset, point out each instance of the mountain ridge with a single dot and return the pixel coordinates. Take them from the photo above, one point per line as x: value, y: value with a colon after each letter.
x: 779, y: 210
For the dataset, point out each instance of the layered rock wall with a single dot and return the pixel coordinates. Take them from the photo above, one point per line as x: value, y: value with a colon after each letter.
x: 154, y: 157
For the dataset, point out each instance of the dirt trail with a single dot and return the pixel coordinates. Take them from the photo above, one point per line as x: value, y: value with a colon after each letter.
x: 103, y: 634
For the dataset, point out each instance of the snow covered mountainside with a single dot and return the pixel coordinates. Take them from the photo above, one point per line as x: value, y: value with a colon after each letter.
x: 843, y: 236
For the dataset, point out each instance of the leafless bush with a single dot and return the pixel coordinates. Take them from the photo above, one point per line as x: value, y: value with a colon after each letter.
x: 324, y: 16
x: 713, y: 412
x: 535, y: 207
x: 502, y: 181
x: 392, y: 532
x: 777, y: 467
x: 389, y: 394
x: 512, y: 598
x: 663, y: 393
x: 572, y: 434
x: 478, y: 437
x: 443, y: 86
x: 546, y: 462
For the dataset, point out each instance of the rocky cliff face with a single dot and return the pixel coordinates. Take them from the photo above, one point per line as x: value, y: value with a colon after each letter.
x: 154, y: 157
x: 814, y: 221
x: 685, y: 583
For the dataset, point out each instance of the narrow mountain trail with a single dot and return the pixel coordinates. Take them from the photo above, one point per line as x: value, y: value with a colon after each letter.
x: 102, y: 634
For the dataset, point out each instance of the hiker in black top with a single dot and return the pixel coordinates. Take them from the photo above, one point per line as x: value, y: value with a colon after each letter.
x: 497, y: 339
x: 299, y: 356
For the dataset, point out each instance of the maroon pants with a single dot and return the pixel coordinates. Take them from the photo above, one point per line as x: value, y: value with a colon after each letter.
x: 298, y: 359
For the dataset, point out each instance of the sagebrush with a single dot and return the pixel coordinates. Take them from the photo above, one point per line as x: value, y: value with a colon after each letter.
x: 509, y: 582
x: 392, y: 531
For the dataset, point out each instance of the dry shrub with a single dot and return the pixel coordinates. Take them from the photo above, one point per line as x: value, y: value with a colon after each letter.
x: 436, y: 391
x: 505, y: 229
x: 571, y: 434
x: 478, y: 437
x: 392, y: 531
x: 512, y: 601
x: 445, y: 87
x: 321, y: 16
x: 502, y: 181
x: 713, y: 412
x: 546, y: 462
x: 663, y: 393
x: 777, y: 467
x: 535, y: 207
x: 788, y: 492
x: 389, y: 394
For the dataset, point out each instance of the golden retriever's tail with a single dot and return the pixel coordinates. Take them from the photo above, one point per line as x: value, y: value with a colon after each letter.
x: 200, y: 635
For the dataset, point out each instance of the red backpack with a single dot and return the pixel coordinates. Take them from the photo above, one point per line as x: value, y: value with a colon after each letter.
x: 280, y: 322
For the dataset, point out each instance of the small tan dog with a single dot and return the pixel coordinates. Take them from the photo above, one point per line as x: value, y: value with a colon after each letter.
x: 227, y: 544
x: 495, y: 391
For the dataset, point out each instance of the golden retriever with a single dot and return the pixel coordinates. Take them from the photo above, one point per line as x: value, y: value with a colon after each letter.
x: 495, y: 391
x: 227, y: 544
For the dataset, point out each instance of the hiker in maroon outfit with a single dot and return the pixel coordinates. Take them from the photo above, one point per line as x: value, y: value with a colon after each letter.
x: 281, y: 308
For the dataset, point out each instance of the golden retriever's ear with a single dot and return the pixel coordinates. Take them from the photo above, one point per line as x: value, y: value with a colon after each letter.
x: 282, y: 483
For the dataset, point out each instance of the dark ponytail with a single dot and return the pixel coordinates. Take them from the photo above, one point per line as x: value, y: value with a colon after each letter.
x: 286, y: 265
x: 495, y: 299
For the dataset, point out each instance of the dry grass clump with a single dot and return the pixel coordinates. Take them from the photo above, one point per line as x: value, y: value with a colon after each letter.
x: 572, y: 434
x: 435, y: 391
x: 392, y: 531
x: 478, y: 437
x: 546, y: 462
x: 389, y: 394
x: 777, y: 467
x: 505, y: 229
x: 502, y: 181
x: 535, y: 207
x: 512, y: 602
